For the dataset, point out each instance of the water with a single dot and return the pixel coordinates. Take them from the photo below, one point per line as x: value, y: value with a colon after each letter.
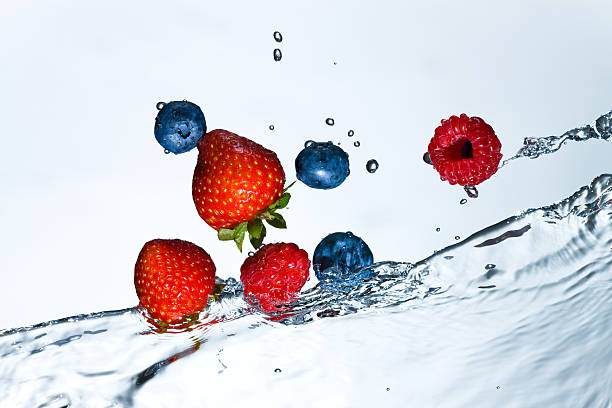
x: 357, y: 144
x: 351, y: 133
x: 330, y: 121
x: 278, y: 55
x: 372, y: 166
x: 516, y: 315
x: 278, y: 37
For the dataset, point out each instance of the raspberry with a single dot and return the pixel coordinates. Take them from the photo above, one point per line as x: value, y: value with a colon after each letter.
x: 465, y: 150
x: 274, y: 275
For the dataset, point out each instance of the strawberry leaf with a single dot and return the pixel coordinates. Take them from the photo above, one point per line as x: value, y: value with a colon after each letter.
x: 239, y: 237
x: 289, y: 186
x: 226, y: 234
x: 255, y: 226
x: 257, y: 241
x: 277, y: 221
x: 282, y: 202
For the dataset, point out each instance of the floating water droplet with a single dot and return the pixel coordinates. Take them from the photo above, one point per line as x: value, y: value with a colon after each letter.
x: 463, y: 201
x: 271, y: 127
x: 427, y: 159
x: 251, y: 253
x: 372, y: 166
x: 277, y: 370
x: 498, y: 387
x: 388, y: 389
x: 277, y: 55
x: 309, y: 143
x: 357, y: 144
x: 471, y: 191
x: 604, y: 125
x: 330, y: 121
x: 278, y: 36
x: 351, y: 133
x: 438, y: 229
x: 166, y: 151
x: 489, y: 266
x: 160, y: 105
x: 457, y: 237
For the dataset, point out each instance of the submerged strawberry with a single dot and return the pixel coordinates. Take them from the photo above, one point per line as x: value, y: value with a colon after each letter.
x: 173, y: 279
x: 274, y: 275
x: 237, y: 183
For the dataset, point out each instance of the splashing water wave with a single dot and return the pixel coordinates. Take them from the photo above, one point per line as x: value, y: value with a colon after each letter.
x: 518, y: 314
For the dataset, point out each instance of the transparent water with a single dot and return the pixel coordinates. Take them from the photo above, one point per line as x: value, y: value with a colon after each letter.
x: 516, y: 315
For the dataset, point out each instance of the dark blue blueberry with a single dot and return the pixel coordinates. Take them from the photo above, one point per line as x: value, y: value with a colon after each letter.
x: 179, y: 125
x: 339, y: 254
x: 322, y: 165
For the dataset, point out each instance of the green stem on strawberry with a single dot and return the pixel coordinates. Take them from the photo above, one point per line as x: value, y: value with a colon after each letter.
x: 255, y: 227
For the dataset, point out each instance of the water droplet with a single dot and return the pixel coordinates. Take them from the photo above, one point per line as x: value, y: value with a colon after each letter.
x: 335, y: 63
x: 271, y: 127
x: 472, y: 192
x: 166, y: 151
x: 277, y: 370
x: 330, y: 121
x: 438, y: 229
x: 278, y: 36
x: 498, y: 387
x: 489, y: 266
x: 277, y: 55
x: 160, y: 105
x: 309, y: 143
x: 463, y: 201
x: 388, y: 389
x: 372, y: 166
x: 351, y: 133
x: 357, y: 144
x: 427, y: 159
x: 251, y: 253
x: 457, y: 237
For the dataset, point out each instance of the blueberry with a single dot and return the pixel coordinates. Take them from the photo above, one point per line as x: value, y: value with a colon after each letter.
x: 179, y: 125
x: 339, y: 254
x: 322, y: 165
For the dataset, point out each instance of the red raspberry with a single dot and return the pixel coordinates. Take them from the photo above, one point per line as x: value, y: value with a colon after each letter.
x: 274, y: 275
x: 465, y: 150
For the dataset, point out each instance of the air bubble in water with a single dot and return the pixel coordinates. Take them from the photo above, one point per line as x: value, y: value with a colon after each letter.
x: 166, y: 151
x: 372, y: 166
x: 388, y: 389
x: 271, y: 127
x: 438, y: 229
x: 357, y: 144
x: 471, y: 191
x: 277, y: 370
x: 351, y: 133
x: 457, y: 237
x: 427, y: 159
x: 160, y: 105
x: 278, y: 36
x: 489, y: 266
x: 309, y: 143
x: 463, y: 201
x: 330, y: 121
x: 277, y: 55
x: 251, y: 253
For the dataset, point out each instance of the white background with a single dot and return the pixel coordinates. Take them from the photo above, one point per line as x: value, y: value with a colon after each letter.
x: 84, y: 184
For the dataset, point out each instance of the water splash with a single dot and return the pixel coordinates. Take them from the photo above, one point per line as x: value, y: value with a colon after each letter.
x: 471, y: 191
x: 534, y: 147
x: 540, y: 305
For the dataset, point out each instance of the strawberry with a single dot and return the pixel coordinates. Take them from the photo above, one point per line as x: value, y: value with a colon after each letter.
x: 173, y: 279
x: 237, y: 183
x: 464, y: 150
x: 274, y: 275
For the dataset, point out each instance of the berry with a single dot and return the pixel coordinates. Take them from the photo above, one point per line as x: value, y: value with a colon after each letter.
x: 465, y: 150
x: 179, y: 125
x: 339, y: 254
x: 237, y: 183
x: 322, y: 165
x: 274, y: 275
x: 173, y: 279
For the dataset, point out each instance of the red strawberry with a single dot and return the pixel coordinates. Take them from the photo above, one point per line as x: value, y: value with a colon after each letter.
x: 237, y: 183
x: 173, y: 279
x: 465, y: 150
x: 274, y: 275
